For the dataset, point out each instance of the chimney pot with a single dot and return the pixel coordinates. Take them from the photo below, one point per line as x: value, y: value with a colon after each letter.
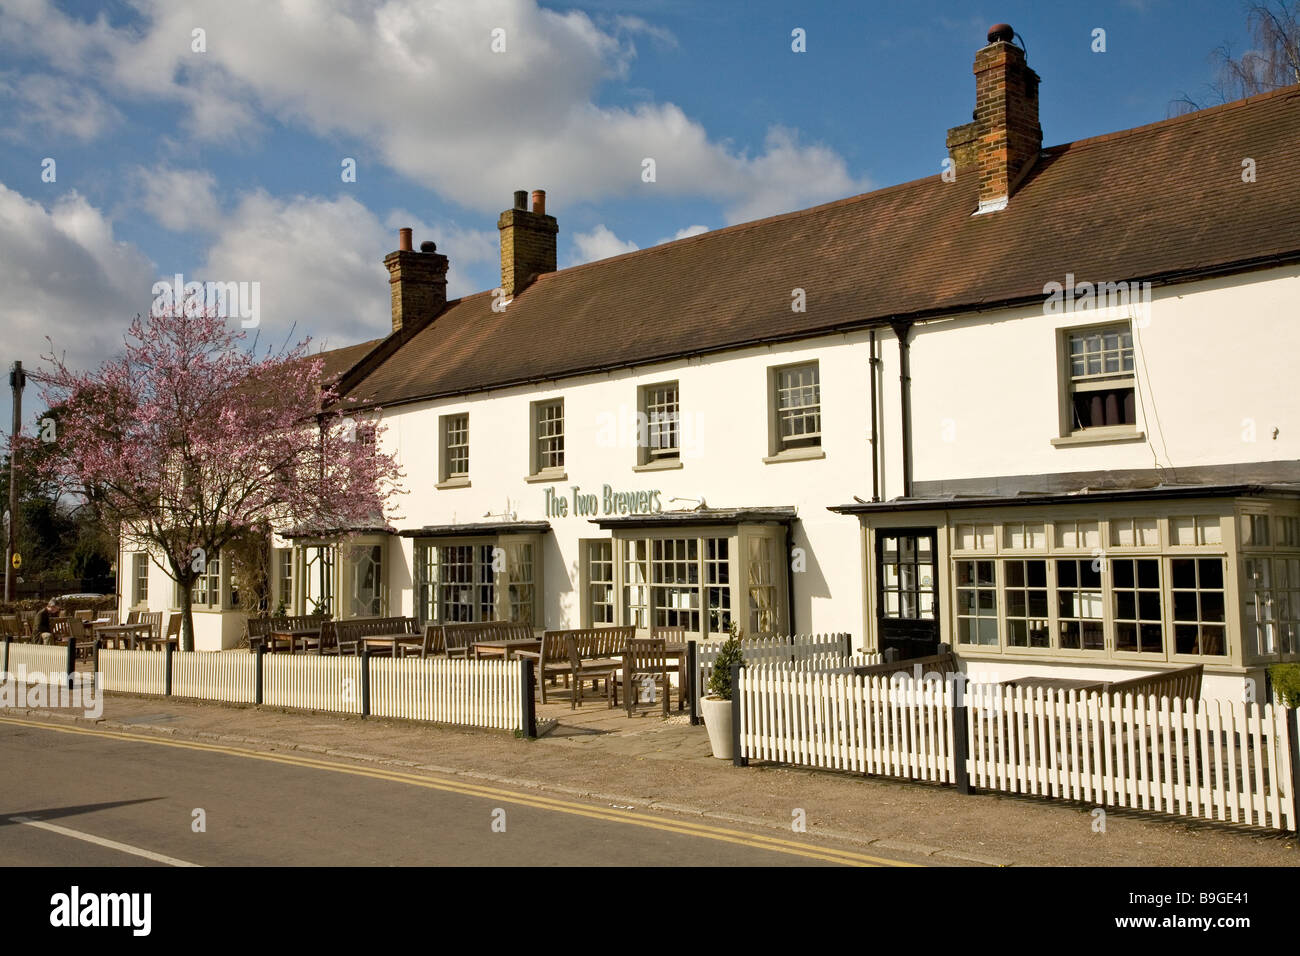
x: 1001, y: 33
x: 527, y: 242
x: 404, y: 239
x: 428, y: 246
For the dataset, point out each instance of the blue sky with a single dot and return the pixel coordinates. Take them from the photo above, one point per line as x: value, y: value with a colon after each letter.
x: 225, y: 164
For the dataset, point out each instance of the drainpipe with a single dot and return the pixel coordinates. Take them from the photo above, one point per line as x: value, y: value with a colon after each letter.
x: 789, y: 582
x: 875, y: 414
x: 902, y: 330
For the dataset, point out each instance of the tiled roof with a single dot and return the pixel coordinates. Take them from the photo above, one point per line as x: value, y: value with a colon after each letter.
x: 337, y: 361
x: 1164, y: 202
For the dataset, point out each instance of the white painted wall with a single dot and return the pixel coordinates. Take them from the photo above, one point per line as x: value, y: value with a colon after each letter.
x: 1215, y: 356
x: 725, y: 439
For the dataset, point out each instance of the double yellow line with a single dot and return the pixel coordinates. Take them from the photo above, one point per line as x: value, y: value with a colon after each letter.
x: 536, y: 801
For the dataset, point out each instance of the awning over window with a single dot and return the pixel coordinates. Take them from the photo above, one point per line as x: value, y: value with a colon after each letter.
x: 1156, y: 493
x: 332, y: 532
x: 783, y: 514
x: 477, y: 529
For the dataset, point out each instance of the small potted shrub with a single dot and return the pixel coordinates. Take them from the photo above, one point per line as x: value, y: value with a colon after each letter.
x: 1286, y: 683
x: 716, y: 705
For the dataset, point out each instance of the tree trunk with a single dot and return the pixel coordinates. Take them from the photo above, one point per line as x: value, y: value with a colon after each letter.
x: 187, y: 620
x: 185, y: 581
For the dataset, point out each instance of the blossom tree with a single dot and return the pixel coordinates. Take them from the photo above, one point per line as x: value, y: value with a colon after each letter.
x: 190, y: 440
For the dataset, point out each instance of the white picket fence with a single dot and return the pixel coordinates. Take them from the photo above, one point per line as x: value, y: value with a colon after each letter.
x: 469, y: 693
x: 763, y: 650
x: 311, y: 682
x: 134, y: 672
x: 41, y: 658
x: 823, y: 663
x: 843, y: 722
x: 1215, y: 759
x: 224, y: 675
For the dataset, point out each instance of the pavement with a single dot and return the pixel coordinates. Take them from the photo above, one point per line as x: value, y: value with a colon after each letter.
x: 644, y: 767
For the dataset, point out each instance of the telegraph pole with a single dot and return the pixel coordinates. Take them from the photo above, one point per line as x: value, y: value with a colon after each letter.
x: 17, y: 380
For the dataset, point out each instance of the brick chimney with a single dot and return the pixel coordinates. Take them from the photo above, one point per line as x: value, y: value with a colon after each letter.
x: 418, y: 282
x: 1003, y: 142
x: 527, y: 242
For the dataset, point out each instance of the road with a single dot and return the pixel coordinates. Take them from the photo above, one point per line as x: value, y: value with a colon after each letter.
x: 75, y: 796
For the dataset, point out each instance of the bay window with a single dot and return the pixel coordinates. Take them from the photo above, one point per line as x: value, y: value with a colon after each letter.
x: 1133, y: 586
x: 703, y: 581
x: 463, y: 580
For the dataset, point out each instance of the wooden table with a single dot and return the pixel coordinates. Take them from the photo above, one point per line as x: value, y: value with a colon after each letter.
x: 121, y: 632
x: 507, y: 647
x: 391, y: 641
x: 291, y: 638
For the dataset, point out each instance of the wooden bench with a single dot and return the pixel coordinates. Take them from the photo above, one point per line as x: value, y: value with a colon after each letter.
x: 459, y: 638
x: 349, y: 636
x: 1180, y: 682
x: 596, y: 654
x: 259, y: 629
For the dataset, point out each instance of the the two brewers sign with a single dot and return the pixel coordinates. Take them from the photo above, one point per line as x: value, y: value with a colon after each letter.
x: 608, y: 502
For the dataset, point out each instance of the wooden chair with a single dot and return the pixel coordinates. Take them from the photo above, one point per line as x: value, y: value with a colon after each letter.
x: 155, y: 621
x: 553, y: 660
x: 173, y: 635
x: 81, y: 638
x: 132, y: 617
x: 590, y: 668
x: 645, y: 663
x: 83, y: 615
x: 459, y: 638
x: 433, y: 645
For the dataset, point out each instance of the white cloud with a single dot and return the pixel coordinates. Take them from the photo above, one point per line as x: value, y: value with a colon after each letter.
x: 685, y: 233
x: 418, y: 82
x: 600, y: 243
x: 54, y: 107
x: 182, y: 200
x: 66, y: 277
x: 319, y: 262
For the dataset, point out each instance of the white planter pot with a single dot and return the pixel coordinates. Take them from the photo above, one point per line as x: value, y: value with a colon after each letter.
x: 717, y: 718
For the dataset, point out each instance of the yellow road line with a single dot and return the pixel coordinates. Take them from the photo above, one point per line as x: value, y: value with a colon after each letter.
x: 536, y: 801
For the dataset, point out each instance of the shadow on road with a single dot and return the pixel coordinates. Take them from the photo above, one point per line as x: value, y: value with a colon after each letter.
x: 56, y: 813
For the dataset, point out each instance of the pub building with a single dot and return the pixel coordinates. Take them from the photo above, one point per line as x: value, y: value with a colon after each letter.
x: 1039, y: 406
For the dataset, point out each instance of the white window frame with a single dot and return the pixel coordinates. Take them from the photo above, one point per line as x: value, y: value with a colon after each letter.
x: 543, y: 430
x: 449, y: 427
x: 1069, y: 383
x: 802, y: 446
x: 656, y: 416
x: 139, y: 593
